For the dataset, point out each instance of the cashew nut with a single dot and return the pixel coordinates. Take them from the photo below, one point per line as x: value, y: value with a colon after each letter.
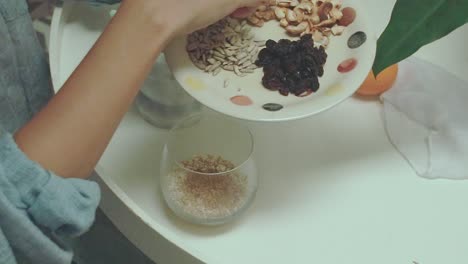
x: 280, y: 12
x: 336, y: 14
x: 299, y: 15
x: 255, y: 21
x: 296, y: 30
x: 321, y: 18
x: 284, y: 22
x: 305, y: 6
x: 317, y: 36
x: 291, y: 16
x: 327, y: 22
x: 337, y: 30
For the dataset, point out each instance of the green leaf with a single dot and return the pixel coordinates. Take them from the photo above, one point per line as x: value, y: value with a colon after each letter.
x: 414, y: 24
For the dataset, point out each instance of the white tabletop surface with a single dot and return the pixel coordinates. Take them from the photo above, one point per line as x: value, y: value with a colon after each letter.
x: 332, y: 188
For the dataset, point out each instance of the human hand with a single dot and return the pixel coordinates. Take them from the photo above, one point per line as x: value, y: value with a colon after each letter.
x: 117, y: 64
x: 186, y: 16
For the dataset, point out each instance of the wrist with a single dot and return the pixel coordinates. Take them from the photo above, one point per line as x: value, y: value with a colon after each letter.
x: 145, y: 19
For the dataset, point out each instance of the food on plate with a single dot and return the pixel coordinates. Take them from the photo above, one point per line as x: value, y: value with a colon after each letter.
x: 289, y: 66
x: 292, y: 66
x: 227, y: 45
x: 321, y: 18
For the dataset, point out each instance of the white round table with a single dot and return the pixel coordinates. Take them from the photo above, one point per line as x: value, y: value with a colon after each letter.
x: 332, y: 188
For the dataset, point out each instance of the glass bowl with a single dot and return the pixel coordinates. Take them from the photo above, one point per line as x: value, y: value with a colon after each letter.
x: 208, y: 175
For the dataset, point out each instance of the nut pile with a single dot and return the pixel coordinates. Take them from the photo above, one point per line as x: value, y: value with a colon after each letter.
x: 205, y: 196
x: 227, y: 44
x: 292, y: 66
x: 321, y: 18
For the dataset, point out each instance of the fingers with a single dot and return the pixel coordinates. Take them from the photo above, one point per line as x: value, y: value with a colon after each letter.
x: 243, y: 12
x: 252, y: 3
x: 248, y: 7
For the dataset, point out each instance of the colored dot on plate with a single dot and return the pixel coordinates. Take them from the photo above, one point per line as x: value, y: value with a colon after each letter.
x: 195, y: 83
x: 334, y: 89
x: 349, y: 15
x: 241, y: 100
x: 357, y: 39
x: 272, y: 107
x: 347, y: 65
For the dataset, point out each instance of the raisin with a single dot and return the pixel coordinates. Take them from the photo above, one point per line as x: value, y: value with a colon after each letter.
x: 292, y: 66
x: 273, y: 84
x: 320, y: 72
x: 270, y: 44
x: 284, y: 91
x: 299, y: 92
x: 284, y: 42
x: 306, y: 37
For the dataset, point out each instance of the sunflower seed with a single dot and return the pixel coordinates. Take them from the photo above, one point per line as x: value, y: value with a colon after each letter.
x: 201, y: 66
x: 219, y: 58
x: 227, y: 45
x: 241, y: 55
x: 252, y: 67
x: 260, y: 43
x: 245, y: 64
x: 244, y: 60
x: 246, y: 71
x: 213, y: 67
x: 217, y: 71
x: 209, y: 68
x: 251, y: 47
x: 211, y: 60
x: 219, y: 50
x: 217, y: 53
x: 228, y: 67
x: 229, y: 52
x: 237, y: 70
x: 253, y: 52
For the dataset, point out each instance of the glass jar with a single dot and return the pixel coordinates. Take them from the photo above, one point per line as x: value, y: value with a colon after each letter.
x: 162, y: 101
x: 208, y: 175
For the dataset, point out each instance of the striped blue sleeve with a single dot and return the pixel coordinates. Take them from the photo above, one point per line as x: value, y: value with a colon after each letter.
x: 38, y: 208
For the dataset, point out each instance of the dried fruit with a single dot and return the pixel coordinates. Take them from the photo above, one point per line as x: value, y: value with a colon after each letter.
x: 292, y: 66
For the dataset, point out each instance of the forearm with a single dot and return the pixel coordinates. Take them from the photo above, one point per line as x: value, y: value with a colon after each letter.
x: 70, y: 134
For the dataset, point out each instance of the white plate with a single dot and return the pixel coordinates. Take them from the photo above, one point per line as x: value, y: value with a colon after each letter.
x: 334, y: 86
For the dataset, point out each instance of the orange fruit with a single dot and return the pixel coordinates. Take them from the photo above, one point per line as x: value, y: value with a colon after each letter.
x: 376, y: 86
